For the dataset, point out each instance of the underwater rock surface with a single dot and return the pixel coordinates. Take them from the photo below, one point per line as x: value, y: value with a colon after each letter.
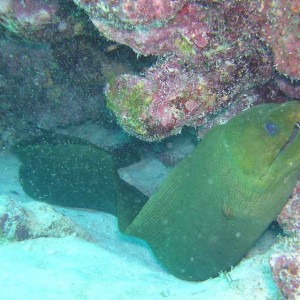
x: 217, y: 45
x: 202, y: 56
x: 145, y: 175
x: 285, y: 266
x: 289, y: 218
x: 23, y: 221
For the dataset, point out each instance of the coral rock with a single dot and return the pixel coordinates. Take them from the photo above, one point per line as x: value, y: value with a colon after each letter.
x: 159, y: 104
x: 21, y: 221
x: 173, y: 93
x: 43, y: 20
x: 184, y: 34
x: 281, y: 32
x: 41, y: 90
x: 13, y: 221
x: 133, y: 12
x: 286, y: 272
x: 289, y: 218
x: 291, y: 89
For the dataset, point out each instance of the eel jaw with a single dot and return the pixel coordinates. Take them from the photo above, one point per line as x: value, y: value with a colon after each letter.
x: 290, y: 140
x: 285, y: 146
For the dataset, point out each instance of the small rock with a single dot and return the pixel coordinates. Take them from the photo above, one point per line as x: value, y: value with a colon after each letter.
x: 31, y: 220
x: 145, y: 175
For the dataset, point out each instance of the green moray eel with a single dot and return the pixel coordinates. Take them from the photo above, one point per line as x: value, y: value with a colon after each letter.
x: 215, y: 203
x: 69, y: 171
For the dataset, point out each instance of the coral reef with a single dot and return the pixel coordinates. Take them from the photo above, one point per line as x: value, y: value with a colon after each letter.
x: 19, y: 222
x: 20, y: 15
x: 276, y: 22
x: 181, y: 33
x: 208, y: 53
x: 285, y: 263
x: 172, y: 94
x: 280, y: 30
x: 134, y: 12
x: 289, y: 218
x: 159, y: 103
x: 291, y: 89
x: 44, y: 20
x: 213, y: 60
x: 215, y: 34
x: 285, y: 266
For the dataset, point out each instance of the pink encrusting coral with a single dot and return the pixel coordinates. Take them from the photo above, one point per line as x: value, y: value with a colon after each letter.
x: 184, y: 34
x: 35, y: 11
x: 177, y: 27
x: 285, y: 264
x: 285, y: 268
x: 132, y: 12
x: 208, y: 53
x: 289, y: 218
x: 41, y: 20
x: 19, y: 15
x: 281, y: 32
x: 212, y: 52
x: 174, y: 93
x: 158, y: 104
x: 144, y: 11
x: 288, y: 87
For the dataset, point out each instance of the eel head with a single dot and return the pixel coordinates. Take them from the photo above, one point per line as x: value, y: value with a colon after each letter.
x: 265, y: 140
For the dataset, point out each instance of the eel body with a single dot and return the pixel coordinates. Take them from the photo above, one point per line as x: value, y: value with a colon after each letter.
x: 212, y: 207
x: 218, y: 201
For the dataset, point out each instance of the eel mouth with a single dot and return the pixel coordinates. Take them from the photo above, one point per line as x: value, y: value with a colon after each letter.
x: 290, y: 140
x: 285, y: 146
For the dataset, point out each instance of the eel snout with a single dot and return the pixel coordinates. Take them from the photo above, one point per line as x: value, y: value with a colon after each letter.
x: 290, y: 140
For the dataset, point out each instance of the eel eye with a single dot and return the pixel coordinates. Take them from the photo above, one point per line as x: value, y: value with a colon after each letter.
x: 271, y: 128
